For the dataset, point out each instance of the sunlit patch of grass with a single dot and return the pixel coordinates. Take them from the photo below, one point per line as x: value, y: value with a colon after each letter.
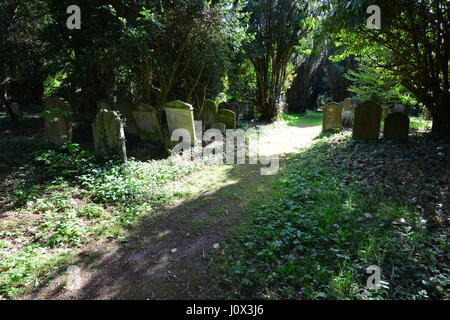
x: 310, y: 119
x: 420, y: 123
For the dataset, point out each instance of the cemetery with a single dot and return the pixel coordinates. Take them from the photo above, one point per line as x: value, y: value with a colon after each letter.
x: 224, y: 150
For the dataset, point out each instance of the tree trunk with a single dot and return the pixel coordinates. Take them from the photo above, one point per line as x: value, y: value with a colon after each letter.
x: 441, y: 121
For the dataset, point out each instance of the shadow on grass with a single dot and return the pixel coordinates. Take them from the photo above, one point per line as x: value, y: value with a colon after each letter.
x: 167, y: 254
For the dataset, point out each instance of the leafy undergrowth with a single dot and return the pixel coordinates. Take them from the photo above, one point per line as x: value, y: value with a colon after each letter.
x: 344, y: 206
x: 64, y: 199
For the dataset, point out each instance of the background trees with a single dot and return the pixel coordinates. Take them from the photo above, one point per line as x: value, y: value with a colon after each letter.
x: 416, y: 36
x: 277, y: 26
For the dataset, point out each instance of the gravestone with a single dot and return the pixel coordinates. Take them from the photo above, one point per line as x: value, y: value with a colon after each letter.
x: 399, y: 107
x: 180, y: 115
x: 147, y: 122
x: 347, y: 104
x: 332, y: 116
x: 396, y: 126
x: 227, y: 117
x: 385, y: 111
x: 58, y: 122
x: 109, y: 136
x: 367, y: 121
x: 209, y: 113
x: 347, y: 119
x: 219, y: 126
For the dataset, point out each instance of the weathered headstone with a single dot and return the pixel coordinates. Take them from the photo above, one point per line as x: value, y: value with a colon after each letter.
x: 367, y: 121
x: 399, y: 107
x: 396, y: 126
x: 58, y: 122
x: 347, y: 119
x: 347, y: 104
x: 227, y: 117
x: 147, y: 122
x: 209, y: 113
x: 332, y: 116
x: 109, y: 136
x: 180, y: 115
x: 385, y: 111
x: 219, y: 126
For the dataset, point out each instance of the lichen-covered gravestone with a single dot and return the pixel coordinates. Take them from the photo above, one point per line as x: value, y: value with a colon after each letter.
x: 147, y: 122
x: 347, y: 104
x: 227, y: 117
x: 58, y: 122
x: 209, y: 113
x: 109, y: 136
x: 367, y: 122
x: 180, y: 115
x: 396, y: 126
x: 332, y: 116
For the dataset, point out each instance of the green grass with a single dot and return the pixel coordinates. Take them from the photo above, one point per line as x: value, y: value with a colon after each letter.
x: 311, y: 119
x: 317, y: 238
x: 64, y: 199
x: 420, y: 123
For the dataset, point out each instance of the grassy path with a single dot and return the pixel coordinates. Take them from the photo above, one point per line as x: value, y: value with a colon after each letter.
x: 168, y: 255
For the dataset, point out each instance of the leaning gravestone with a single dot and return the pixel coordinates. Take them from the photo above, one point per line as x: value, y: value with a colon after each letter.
x: 109, y: 136
x: 180, y: 115
x: 58, y: 122
x: 209, y: 113
x: 332, y: 116
x: 147, y: 122
x: 367, y: 121
x: 227, y: 117
x: 396, y: 126
x: 347, y: 104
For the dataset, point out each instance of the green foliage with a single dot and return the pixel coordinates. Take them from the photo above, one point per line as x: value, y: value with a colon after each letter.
x: 316, y: 239
x: 374, y: 83
x: 68, y: 161
x: 276, y: 28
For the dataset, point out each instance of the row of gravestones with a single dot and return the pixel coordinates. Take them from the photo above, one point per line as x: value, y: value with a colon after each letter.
x: 367, y: 120
x: 108, y: 127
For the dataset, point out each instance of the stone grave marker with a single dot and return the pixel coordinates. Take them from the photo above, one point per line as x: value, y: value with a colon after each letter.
x: 180, y: 115
x: 209, y: 113
x: 332, y: 116
x: 147, y: 122
x: 58, y: 122
x: 109, y: 135
x: 396, y: 126
x: 367, y: 122
x: 347, y: 104
x: 227, y: 117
